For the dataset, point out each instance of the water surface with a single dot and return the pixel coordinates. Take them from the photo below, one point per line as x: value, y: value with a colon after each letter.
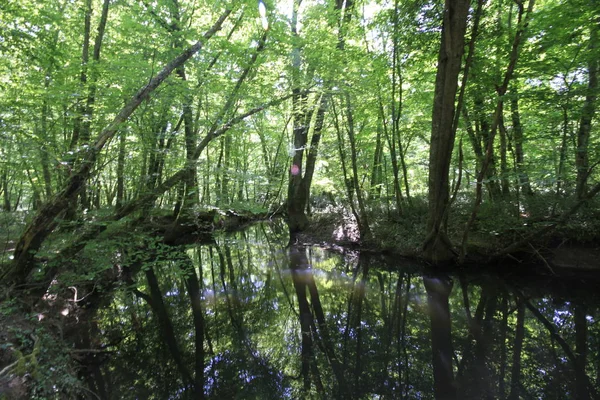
x: 250, y: 317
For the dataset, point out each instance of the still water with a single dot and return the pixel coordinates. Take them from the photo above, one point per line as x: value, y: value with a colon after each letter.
x: 250, y: 317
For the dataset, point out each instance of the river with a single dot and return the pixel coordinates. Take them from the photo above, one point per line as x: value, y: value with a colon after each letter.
x: 250, y: 316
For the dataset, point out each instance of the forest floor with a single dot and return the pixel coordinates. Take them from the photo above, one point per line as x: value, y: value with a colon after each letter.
x: 570, y: 248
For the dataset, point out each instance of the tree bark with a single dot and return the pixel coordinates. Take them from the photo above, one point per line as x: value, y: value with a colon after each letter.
x: 517, y: 132
x: 437, y: 246
x: 6, y: 200
x: 504, y: 183
x: 120, y: 196
x: 377, y: 167
x: 300, y: 176
x: 587, y: 115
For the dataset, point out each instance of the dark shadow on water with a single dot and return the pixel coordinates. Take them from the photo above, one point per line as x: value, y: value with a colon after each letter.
x: 253, y: 316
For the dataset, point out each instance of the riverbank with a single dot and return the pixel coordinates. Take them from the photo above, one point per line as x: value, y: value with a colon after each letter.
x: 499, y: 237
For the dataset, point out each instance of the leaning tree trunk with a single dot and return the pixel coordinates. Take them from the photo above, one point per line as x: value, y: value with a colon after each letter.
x: 437, y: 246
x: 46, y: 219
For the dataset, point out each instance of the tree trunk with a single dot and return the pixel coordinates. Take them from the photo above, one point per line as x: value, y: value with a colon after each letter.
x: 377, y: 167
x: 300, y: 178
x: 296, y: 195
x: 437, y: 246
x: 517, y: 132
x: 121, y: 172
x: 363, y: 221
x: 6, y: 201
x: 488, y: 156
x: 311, y: 158
x: 562, y: 156
x: 394, y: 140
x: 587, y: 115
x: 44, y: 149
x: 504, y: 183
x: 88, y: 81
x: 394, y: 158
x: 46, y: 219
x: 348, y: 180
x: 523, y: 18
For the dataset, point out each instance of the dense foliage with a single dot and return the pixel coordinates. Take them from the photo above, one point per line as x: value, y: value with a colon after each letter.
x: 445, y: 130
x: 353, y: 80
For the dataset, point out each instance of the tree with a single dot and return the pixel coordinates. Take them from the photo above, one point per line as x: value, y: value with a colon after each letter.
x: 437, y: 246
x: 587, y: 115
x: 46, y: 219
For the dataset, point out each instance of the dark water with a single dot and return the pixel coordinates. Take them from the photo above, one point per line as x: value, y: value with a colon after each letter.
x: 250, y: 318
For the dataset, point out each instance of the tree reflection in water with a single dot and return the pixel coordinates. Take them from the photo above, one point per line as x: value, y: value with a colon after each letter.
x: 252, y: 317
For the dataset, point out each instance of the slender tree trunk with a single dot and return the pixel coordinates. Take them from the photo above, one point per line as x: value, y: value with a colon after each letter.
x: 395, y: 140
x: 501, y: 90
x: 121, y: 171
x: 587, y: 115
x: 226, y: 167
x: 348, y: 180
x: 300, y: 176
x: 474, y: 139
x: 562, y: 156
x: 504, y: 183
x: 394, y: 158
x: 363, y: 222
x: 377, y: 167
x: 517, y: 132
x: 89, y: 77
x: 85, y: 57
x: 311, y: 158
x: 6, y: 203
x: 488, y: 155
x: 44, y: 149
